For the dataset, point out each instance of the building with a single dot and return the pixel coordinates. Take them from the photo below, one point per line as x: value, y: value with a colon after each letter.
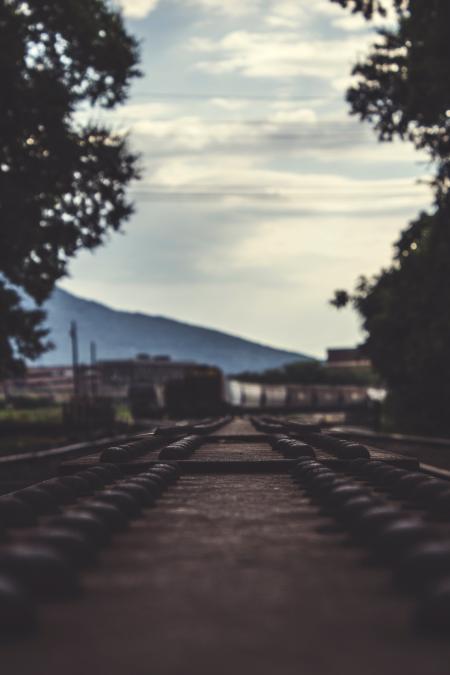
x: 54, y: 382
x: 111, y: 378
x: 352, y: 357
x: 115, y: 376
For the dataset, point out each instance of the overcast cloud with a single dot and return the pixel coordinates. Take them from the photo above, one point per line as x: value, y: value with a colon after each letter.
x: 260, y: 194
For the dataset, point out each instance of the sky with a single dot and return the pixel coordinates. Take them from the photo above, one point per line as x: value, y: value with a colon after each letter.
x: 260, y: 194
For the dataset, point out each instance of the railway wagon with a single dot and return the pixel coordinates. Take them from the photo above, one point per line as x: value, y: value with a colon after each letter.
x: 354, y: 396
x: 144, y: 400
x: 299, y: 396
x: 326, y: 397
x: 199, y: 393
x: 273, y: 396
x: 249, y: 395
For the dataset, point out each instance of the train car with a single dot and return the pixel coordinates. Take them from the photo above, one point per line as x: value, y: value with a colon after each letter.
x: 354, y: 396
x: 249, y: 395
x: 144, y: 401
x: 200, y: 393
x: 299, y: 396
x: 273, y: 396
x: 327, y: 397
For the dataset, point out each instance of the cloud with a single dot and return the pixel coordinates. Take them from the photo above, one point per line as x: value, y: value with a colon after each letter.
x: 283, y: 133
x: 287, y: 129
x: 276, y: 55
x: 286, y: 133
x: 251, y: 211
x: 137, y: 9
x: 256, y: 277
x: 231, y: 8
x: 286, y: 14
x: 229, y: 104
x: 232, y: 182
x: 294, y: 114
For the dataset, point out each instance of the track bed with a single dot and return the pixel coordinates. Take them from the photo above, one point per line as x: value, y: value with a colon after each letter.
x: 239, y: 572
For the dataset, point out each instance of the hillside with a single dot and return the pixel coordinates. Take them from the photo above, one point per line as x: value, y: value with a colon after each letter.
x: 124, y: 334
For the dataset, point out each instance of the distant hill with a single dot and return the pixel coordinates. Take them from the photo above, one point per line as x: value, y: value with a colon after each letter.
x: 125, y: 334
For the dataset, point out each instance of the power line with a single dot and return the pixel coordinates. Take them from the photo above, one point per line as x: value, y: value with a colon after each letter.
x: 236, y: 121
x: 319, y: 189
x: 230, y: 96
x: 307, y: 134
x: 338, y: 129
x: 269, y: 195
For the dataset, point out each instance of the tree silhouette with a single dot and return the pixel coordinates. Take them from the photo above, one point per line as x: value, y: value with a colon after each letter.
x: 402, y: 90
x: 62, y: 180
x: 370, y: 7
x: 402, y: 85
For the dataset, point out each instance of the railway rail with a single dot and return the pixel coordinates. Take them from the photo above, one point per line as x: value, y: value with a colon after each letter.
x: 21, y: 469
x: 245, y: 545
x: 24, y: 468
x: 429, y: 450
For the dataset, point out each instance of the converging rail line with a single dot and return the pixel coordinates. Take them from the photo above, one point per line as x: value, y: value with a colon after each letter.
x: 245, y: 545
x: 27, y: 467
x: 429, y: 450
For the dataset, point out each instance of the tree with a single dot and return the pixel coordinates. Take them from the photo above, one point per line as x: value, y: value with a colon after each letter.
x: 62, y: 181
x: 370, y: 7
x: 402, y: 86
x: 402, y: 90
x: 404, y: 312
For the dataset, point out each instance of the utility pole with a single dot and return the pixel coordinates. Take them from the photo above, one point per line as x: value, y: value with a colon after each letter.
x: 74, y: 338
x: 94, y: 368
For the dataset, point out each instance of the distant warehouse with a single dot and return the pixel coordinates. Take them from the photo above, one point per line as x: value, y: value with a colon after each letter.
x: 116, y: 376
x: 347, y: 357
x: 110, y: 378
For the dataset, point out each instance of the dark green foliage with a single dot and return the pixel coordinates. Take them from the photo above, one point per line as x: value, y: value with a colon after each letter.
x: 403, y: 85
x: 370, y: 7
x: 405, y: 313
x: 20, y: 332
x: 403, y: 90
x: 62, y: 182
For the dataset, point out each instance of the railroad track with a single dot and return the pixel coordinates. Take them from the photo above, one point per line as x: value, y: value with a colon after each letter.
x: 431, y: 451
x: 244, y: 546
x: 20, y: 469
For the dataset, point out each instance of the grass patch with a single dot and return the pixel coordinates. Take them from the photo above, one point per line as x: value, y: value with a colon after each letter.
x: 10, y: 445
x: 123, y: 413
x: 44, y: 415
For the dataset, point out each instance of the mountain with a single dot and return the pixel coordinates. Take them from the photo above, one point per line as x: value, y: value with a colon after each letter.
x: 120, y: 335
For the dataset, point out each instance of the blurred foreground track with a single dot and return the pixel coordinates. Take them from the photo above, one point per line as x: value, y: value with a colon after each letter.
x: 232, y: 566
